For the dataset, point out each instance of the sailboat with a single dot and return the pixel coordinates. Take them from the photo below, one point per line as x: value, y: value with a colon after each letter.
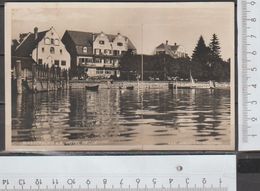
x: 212, y: 84
x: 192, y: 81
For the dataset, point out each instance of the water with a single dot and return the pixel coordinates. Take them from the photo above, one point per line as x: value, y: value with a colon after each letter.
x: 122, y: 117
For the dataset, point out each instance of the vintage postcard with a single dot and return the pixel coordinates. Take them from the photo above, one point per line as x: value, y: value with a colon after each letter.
x: 120, y: 76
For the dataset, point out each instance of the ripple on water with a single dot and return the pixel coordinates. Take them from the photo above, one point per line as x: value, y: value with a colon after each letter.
x: 151, y: 117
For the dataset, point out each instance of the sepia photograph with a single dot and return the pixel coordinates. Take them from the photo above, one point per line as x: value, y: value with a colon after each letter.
x: 120, y: 76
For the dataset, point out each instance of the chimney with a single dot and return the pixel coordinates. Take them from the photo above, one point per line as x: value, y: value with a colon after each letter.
x: 35, y: 33
x: 175, y: 44
x: 166, y: 42
x: 93, y: 37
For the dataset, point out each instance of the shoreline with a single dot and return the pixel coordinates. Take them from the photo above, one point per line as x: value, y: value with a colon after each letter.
x: 78, y: 84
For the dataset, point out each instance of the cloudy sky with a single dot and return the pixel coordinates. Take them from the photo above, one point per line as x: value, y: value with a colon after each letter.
x: 146, y: 24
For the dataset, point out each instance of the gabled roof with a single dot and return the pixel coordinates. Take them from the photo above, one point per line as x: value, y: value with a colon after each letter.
x: 131, y: 45
x: 86, y: 38
x: 25, y: 48
x: 169, y: 49
x: 81, y: 38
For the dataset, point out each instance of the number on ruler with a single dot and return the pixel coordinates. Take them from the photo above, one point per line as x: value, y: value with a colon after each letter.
x: 252, y: 3
x: 253, y: 102
x: 253, y: 85
x: 253, y: 52
x: 253, y: 119
x: 253, y: 69
x: 251, y: 36
x: 38, y: 182
x: 253, y: 19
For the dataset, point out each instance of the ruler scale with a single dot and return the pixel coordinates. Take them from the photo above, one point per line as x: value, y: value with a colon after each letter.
x: 119, y: 173
x: 249, y: 74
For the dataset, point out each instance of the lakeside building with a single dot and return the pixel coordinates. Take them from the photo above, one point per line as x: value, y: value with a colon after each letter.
x: 41, y: 48
x: 40, y: 62
x: 96, y: 54
x: 175, y: 51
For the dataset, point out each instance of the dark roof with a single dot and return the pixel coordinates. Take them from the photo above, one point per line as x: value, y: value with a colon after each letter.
x: 86, y: 38
x: 26, y: 62
x: 81, y: 38
x: 29, y: 43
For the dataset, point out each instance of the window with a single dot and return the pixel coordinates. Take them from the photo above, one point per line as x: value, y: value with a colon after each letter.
x: 108, y: 71
x: 52, y: 41
x: 116, y: 52
x: 119, y: 44
x: 39, y: 61
x: 63, y: 63
x: 47, y: 40
x: 97, y: 51
x: 105, y: 51
x: 89, y: 60
x: 81, y: 60
x: 99, y: 71
x: 85, y: 49
x: 56, y: 62
x: 56, y: 42
x: 97, y: 60
x: 101, y: 42
x: 52, y: 50
x: 42, y: 49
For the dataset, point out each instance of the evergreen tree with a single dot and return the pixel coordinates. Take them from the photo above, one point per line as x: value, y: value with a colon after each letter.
x: 200, y: 61
x: 201, y: 51
x: 214, y: 47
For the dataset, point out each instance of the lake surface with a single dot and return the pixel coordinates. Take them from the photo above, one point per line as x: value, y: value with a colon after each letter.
x: 122, y: 117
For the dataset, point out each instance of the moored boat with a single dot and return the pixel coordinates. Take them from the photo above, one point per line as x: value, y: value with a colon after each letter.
x: 130, y: 87
x: 92, y: 88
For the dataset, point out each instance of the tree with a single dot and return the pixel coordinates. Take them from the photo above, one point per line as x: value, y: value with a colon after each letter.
x: 201, y: 51
x: 214, y: 47
x: 217, y: 69
x: 200, y: 61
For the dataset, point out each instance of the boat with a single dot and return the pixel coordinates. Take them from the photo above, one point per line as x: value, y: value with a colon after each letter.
x: 171, y: 86
x: 130, y: 87
x: 92, y: 88
x: 192, y: 81
x: 212, y: 84
x: 190, y: 85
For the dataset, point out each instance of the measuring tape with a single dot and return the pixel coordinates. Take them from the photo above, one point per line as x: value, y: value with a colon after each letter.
x: 119, y: 173
x: 249, y: 74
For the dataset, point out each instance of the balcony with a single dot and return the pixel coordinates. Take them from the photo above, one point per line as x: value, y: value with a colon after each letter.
x: 99, y: 65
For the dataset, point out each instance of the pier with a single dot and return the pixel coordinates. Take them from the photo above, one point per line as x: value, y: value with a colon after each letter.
x: 38, y: 78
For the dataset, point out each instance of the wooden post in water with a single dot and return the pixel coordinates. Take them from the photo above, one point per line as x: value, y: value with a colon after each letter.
x: 18, y: 69
x: 33, y: 77
x: 48, y: 77
x: 67, y: 78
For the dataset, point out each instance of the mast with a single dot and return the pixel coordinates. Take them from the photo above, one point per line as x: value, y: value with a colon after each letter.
x: 191, y: 78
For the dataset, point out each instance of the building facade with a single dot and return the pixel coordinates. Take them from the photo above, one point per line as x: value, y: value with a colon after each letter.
x: 43, y: 48
x: 175, y: 51
x: 96, y: 54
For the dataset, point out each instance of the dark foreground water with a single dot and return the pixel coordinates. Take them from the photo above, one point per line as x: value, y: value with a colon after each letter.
x: 116, y: 117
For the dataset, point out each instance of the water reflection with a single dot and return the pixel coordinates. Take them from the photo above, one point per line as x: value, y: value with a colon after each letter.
x: 122, y: 117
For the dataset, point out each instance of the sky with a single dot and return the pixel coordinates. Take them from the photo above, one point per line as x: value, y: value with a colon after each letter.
x: 146, y: 24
